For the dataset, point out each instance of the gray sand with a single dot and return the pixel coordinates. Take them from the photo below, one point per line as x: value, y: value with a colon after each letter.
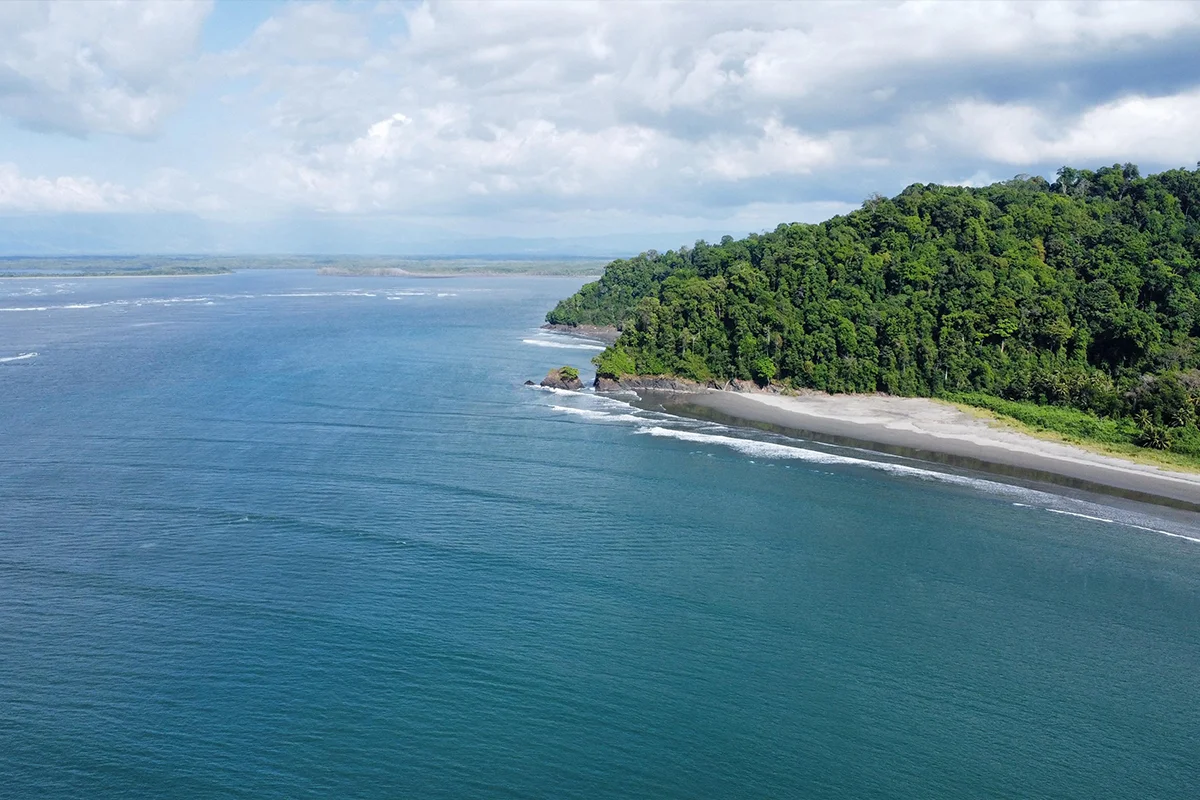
x: 926, y: 428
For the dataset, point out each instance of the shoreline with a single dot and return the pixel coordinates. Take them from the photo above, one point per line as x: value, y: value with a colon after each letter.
x: 937, y: 432
x: 72, y: 276
x: 460, y: 273
x: 601, y: 333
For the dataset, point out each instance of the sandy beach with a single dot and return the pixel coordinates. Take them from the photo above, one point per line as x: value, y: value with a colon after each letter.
x: 938, y: 431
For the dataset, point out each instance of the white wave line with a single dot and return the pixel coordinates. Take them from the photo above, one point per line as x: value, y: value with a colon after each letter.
x: 561, y: 345
x: 1077, y: 514
x: 1126, y: 524
x: 603, y: 416
x: 1164, y: 533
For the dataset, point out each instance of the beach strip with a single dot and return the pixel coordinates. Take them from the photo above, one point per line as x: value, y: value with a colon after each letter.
x: 937, y: 431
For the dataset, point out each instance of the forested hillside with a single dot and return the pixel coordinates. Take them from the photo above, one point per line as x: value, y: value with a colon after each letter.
x: 1084, y: 292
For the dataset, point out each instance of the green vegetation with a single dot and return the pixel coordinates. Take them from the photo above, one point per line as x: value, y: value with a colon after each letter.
x: 1073, y: 306
x: 109, y: 267
x: 1069, y: 422
x: 1118, y: 436
x: 568, y: 373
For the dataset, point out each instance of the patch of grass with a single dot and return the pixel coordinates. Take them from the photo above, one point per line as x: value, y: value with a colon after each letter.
x: 1101, y: 434
x: 1069, y: 422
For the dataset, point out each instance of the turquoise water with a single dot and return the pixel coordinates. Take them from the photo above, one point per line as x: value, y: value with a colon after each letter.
x: 280, y: 535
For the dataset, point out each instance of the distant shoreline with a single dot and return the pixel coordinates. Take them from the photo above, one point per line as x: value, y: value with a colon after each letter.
x: 65, y: 275
x: 324, y: 272
x: 933, y: 431
x: 463, y: 272
x: 73, y: 266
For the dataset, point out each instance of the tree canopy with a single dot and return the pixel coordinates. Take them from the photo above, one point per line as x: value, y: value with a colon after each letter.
x: 1084, y: 292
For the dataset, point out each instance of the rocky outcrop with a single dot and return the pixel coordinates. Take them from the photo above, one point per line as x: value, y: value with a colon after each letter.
x: 562, y: 378
x: 665, y: 383
x: 659, y: 383
x: 601, y: 333
x: 751, y: 387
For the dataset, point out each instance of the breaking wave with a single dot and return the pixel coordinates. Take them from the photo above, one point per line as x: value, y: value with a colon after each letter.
x: 601, y: 408
x: 603, y: 416
x: 562, y: 345
x: 773, y: 450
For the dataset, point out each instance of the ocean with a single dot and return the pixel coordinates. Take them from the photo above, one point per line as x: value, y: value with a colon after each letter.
x: 278, y: 535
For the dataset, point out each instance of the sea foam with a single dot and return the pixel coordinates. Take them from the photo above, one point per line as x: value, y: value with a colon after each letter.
x: 608, y: 409
x: 603, y: 416
x: 774, y: 450
x: 562, y: 345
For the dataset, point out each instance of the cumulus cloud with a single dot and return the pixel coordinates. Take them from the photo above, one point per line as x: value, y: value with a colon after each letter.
x: 164, y: 190
x: 1131, y: 128
x: 485, y: 106
x: 96, y: 66
x: 608, y: 110
x: 779, y: 150
x: 63, y: 194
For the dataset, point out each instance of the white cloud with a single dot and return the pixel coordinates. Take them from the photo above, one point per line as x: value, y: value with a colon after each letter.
x: 308, y: 32
x: 603, y: 110
x: 433, y: 160
x: 165, y: 190
x: 96, y: 66
x: 779, y: 151
x: 663, y: 56
x: 63, y: 194
x: 1135, y: 128
x: 822, y: 46
x: 599, y: 104
x: 1132, y: 128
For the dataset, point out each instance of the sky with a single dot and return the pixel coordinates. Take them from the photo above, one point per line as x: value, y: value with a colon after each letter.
x: 565, y: 127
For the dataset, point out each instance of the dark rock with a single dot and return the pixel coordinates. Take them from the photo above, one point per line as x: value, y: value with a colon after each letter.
x: 555, y: 379
x: 751, y: 387
x: 633, y: 383
x: 530, y: 383
x: 602, y: 333
x: 664, y: 383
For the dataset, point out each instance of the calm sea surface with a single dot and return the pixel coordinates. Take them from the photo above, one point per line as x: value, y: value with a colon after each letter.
x: 278, y: 535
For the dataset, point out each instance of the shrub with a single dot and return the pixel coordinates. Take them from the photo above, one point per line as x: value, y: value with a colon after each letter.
x: 763, y: 370
x: 613, y: 363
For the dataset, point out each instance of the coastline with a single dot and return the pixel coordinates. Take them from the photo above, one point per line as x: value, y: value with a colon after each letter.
x: 600, y: 333
x: 938, y: 432
x: 397, y: 272
x: 72, y: 276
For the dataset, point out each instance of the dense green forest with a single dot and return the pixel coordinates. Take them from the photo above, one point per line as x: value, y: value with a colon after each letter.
x: 1083, y: 293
